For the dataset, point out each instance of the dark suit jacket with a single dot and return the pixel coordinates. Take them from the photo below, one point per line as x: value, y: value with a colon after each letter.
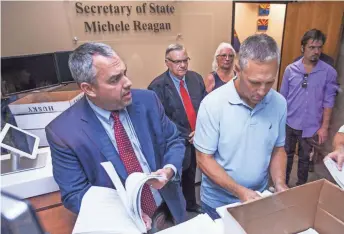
x: 164, y: 87
x: 79, y: 143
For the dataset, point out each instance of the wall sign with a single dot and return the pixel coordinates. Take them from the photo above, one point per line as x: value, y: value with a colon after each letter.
x: 112, y: 10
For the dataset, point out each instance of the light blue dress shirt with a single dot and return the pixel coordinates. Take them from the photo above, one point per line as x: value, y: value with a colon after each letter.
x: 107, y: 121
x: 176, y: 83
x: 240, y: 139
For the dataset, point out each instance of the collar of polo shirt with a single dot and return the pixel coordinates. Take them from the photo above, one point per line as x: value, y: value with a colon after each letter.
x: 234, y: 98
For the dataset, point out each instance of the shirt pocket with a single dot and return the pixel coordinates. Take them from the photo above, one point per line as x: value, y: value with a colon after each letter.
x: 268, y: 134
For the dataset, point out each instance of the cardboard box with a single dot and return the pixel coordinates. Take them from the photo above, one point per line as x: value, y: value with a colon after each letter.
x: 45, y: 102
x: 318, y: 205
x: 35, y: 111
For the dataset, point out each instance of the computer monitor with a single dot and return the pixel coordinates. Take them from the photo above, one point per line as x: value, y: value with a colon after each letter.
x: 18, y: 216
x: 63, y: 71
x: 29, y: 72
x: 19, y: 141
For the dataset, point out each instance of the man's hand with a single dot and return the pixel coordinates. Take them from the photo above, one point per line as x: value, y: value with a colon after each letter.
x: 147, y: 221
x: 158, y: 184
x: 337, y: 156
x: 281, y: 187
x: 191, y: 136
x: 246, y: 194
x: 322, y: 134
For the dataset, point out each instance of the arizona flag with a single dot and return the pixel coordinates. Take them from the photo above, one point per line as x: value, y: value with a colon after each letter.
x: 264, y: 9
x: 263, y: 24
x: 236, y: 42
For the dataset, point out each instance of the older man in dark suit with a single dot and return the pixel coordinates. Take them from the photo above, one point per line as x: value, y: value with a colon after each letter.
x: 181, y: 92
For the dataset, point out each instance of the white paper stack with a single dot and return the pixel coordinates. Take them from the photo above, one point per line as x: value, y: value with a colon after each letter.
x: 337, y: 175
x: 102, y: 211
x: 201, y: 224
x: 309, y: 231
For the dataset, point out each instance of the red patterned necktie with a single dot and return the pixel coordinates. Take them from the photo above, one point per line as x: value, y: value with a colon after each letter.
x: 189, y: 109
x: 131, y: 163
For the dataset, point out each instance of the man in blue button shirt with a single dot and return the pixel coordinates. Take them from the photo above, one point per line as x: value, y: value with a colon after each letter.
x: 240, y: 130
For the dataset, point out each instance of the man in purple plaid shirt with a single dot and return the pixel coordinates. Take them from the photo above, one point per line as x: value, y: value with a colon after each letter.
x: 309, y: 86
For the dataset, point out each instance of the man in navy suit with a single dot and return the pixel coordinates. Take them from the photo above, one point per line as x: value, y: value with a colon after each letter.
x: 114, y: 123
x: 181, y: 92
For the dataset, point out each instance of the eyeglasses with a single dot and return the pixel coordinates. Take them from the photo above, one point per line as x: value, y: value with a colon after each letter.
x: 179, y: 62
x: 224, y: 56
x: 304, y: 82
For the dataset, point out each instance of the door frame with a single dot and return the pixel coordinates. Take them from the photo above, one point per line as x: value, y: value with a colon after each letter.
x: 285, y: 17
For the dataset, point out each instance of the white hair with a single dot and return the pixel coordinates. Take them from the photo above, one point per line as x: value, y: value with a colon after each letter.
x: 223, y: 45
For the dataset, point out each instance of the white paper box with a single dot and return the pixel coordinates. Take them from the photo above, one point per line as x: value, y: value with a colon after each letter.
x: 35, y: 121
x: 45, y: 102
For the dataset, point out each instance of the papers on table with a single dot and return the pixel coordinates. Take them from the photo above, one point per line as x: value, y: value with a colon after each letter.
x: 309, y: 231
x: 201, y: 224
x: 337, y: 175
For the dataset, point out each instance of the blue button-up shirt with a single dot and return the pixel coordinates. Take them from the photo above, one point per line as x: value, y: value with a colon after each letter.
x: 240, y: 139
x: 107, y: 122
x: 176, y: 83
x: 306, y: 105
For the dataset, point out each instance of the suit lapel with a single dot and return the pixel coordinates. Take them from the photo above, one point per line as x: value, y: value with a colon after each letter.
x: 192, y: 89
x: 97, y: 134
x: 139, y: 124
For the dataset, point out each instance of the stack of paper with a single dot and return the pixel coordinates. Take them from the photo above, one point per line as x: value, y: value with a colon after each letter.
x: 130, y: 195
x: 102, y: 211
x: 223, y: 209
x: 201, y: 224
x: 309, y: 231
x: 336, y: 174
x: 105, y: 210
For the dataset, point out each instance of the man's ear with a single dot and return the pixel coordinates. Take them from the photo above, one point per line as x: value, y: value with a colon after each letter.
x: 302, y: 49
x: 88, y: 89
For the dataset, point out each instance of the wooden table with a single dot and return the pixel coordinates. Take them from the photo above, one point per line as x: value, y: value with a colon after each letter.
x: 54, y: 217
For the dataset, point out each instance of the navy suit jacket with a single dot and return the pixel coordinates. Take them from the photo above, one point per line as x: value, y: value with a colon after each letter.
x: 79, y: 143
x: 174, y: 108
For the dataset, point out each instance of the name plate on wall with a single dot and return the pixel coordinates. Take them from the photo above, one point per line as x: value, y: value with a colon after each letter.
x: 110, y: 21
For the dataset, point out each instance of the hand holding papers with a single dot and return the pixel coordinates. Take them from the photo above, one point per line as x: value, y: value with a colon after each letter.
x: 105, y: 210
x: 130, y: 195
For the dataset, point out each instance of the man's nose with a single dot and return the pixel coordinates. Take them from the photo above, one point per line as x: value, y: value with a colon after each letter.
x: 128, y: 82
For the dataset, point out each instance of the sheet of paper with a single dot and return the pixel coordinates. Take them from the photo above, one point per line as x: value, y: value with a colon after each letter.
x: 309, y: 231
x: 110, y: 170
x: 102, y: 211
x: 337, y: 175
x: 134, y: 185
x: 201, y: 224
x: 221, y: 210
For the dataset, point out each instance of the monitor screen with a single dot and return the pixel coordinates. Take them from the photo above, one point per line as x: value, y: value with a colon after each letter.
x: 23, y: 73
x: 19, y: 140
x: 62, y: 66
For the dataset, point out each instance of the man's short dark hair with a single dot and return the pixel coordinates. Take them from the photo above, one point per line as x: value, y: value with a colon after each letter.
x: 315, y: 35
